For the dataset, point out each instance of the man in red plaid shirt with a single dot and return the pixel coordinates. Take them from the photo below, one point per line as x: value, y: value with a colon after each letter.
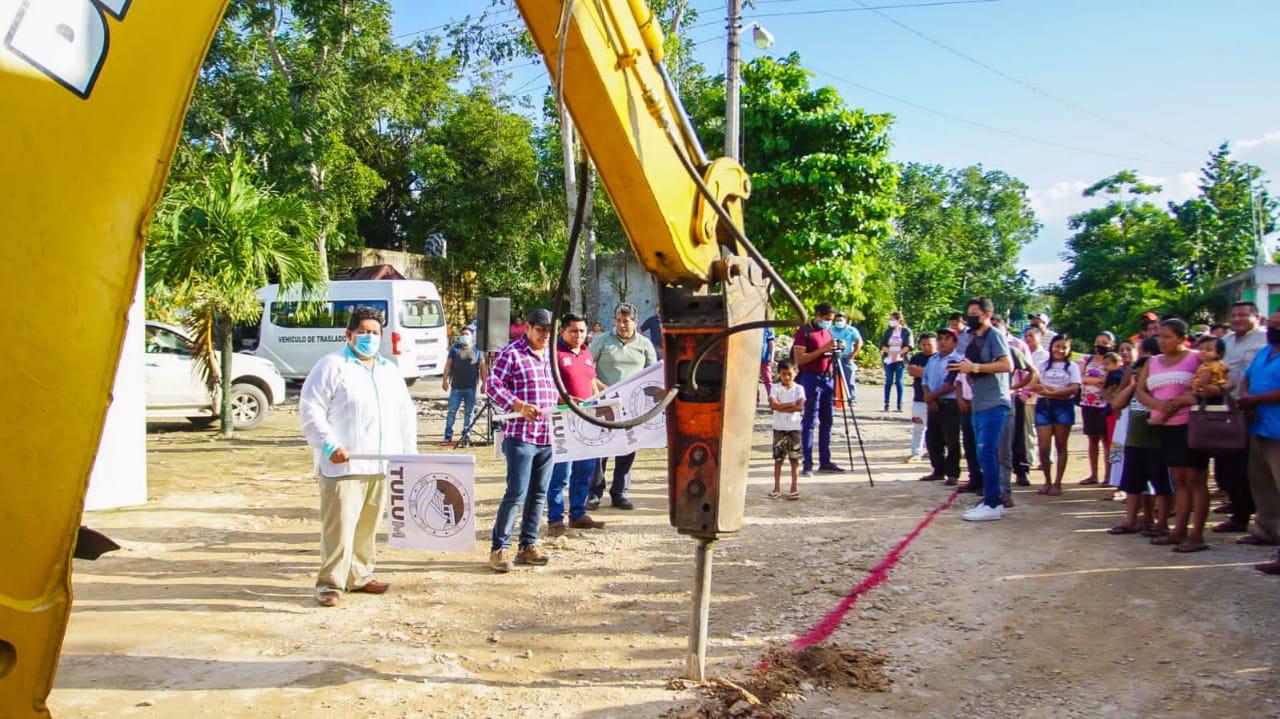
x: 520, y: 382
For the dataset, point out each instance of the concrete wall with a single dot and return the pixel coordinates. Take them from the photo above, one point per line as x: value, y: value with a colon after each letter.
x: 410, y: 264
x: 623, y: 278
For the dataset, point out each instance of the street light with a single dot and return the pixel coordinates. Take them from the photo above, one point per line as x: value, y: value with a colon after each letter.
x: 762, y: 37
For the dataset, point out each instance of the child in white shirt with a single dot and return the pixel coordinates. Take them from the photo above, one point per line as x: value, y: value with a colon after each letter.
x: 787, y: 402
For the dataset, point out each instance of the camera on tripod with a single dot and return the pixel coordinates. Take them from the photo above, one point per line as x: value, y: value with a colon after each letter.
x: 839, y: 347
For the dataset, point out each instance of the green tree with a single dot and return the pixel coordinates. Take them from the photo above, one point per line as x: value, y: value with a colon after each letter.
x: 1131, y: 256
x: 1221, y: 228
x: 1121, y: 255
x: 294, y: 83
x: 823, y: 195
x: 477, y: 183
x: 959, y: 235
x: 215, y: 241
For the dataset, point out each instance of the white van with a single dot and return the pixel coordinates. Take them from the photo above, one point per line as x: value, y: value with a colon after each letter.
x: 413, y: 336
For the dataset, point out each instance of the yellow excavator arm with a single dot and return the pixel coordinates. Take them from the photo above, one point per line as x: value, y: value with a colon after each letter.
x: 605, y: 58
x: 94, y: 95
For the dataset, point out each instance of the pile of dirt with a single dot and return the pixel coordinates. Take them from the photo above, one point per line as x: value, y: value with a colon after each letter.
x: 787, y: 675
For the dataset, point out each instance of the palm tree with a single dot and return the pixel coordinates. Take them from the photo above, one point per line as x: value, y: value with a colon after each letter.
x: 216, y: 240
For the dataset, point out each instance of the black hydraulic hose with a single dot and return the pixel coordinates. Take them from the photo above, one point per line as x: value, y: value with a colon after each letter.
x: 557, y: 306
x: 740, y: 238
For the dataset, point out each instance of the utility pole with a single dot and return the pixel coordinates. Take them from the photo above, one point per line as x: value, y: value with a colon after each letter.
x: 732, y: 81
x: 571, y: 202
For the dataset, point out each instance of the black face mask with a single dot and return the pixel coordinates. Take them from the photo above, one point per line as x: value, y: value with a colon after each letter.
x: 974, y: 321
x: 1101, y: 349
x: 1273, y: 336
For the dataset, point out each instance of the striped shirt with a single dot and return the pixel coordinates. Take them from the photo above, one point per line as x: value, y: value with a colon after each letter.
x: 520, y: 373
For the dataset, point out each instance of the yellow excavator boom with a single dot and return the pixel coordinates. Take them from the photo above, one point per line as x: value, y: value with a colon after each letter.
x: 604, y: 56
x: 93, y: 94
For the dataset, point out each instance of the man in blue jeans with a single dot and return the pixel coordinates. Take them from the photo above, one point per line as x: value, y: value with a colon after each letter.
x: 464, y: 371
x: 813, y: 351
x: 578, y: 372
x: 520, y: 383
x: 988, y: 364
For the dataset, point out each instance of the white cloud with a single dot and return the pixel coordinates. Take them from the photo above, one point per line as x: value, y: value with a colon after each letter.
x: 1271, y: 138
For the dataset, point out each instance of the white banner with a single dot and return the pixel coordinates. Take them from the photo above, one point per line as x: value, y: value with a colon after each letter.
x: 431, y: 502
x: 574, y: 438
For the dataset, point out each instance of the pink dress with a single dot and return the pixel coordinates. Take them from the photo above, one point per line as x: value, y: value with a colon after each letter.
x: 1168, y: 382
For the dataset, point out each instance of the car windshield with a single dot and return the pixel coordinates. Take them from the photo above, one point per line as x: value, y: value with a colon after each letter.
x: 163, y: 341
x: 421, y: 313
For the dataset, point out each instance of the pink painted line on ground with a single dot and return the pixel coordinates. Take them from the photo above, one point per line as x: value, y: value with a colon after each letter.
x: 874, y: 578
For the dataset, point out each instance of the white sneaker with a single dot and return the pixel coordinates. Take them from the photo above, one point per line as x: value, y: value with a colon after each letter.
x: 983, y: 513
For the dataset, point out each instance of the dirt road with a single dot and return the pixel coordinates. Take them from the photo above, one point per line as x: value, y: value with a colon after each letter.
x: 208, y: 610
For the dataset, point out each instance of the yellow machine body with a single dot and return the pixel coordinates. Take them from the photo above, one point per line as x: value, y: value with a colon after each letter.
x: 93, y: 94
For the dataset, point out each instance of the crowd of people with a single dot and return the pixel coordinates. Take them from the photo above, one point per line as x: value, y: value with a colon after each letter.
x: 982, y: 397
x: 1002, y: 408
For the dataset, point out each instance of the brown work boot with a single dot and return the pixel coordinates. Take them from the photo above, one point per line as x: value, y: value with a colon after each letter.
x: 500, y: 560
x: 585, y: 522
x: 558, y: 529
x: 327, y: 598
x: 531, y: 556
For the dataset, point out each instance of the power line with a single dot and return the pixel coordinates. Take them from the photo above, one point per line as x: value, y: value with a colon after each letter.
x: 990, y: 128
x: 1018, y: 81
x: 443, y: 25
x: 831, y: 11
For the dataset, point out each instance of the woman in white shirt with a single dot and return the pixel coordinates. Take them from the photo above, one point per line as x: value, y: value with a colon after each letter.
x: 1056, y: 409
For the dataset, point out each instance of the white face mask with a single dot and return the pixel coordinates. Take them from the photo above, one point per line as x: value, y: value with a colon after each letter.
x: 893, y: 324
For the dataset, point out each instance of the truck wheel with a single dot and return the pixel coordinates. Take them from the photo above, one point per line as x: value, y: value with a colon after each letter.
x: 248, y: 406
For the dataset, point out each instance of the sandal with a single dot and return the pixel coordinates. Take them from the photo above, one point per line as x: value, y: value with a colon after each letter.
x: 1254, y: 540
x: 1055, y: 492
x: 774, y: 495
x: 1154, y: 531
x: 1229, y: 526
x: 1185, y: 548
x: 1166, y: 540
x: 793, y: 495
x: 1044, y: 490
x: 1089, y: 480
x: 1122, y: 529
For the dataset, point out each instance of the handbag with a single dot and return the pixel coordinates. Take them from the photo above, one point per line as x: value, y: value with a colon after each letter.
x: 1217, y: 428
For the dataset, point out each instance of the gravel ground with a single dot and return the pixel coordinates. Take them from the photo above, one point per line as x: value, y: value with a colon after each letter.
x: 208, y: 609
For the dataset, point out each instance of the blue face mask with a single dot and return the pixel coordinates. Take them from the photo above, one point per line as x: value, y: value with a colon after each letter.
x: 840, y: 324
x: 824, y: 324
x: 465, y: 340
x: 367, y: 345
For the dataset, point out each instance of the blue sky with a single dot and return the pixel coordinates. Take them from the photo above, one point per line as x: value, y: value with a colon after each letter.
x: 1059, y: 93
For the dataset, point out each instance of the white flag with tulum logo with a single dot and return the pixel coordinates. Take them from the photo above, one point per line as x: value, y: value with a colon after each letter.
x: 573, y: 438
x: 431, y: 502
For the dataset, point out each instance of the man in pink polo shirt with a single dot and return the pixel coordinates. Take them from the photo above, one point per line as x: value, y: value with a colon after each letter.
x: 578, y: 370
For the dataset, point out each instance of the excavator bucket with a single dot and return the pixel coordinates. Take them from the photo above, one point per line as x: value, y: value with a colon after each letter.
x: 94, y: 94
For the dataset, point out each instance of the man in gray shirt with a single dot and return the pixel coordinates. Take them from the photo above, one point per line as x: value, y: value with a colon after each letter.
x: 1247, y: 336
x: 987, y: 363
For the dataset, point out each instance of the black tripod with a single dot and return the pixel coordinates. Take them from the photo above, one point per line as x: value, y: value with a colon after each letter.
x: 846, y: 412
x: 484, y: 410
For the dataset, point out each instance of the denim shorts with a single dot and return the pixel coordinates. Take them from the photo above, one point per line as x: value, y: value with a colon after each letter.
x: 1055, y: 411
